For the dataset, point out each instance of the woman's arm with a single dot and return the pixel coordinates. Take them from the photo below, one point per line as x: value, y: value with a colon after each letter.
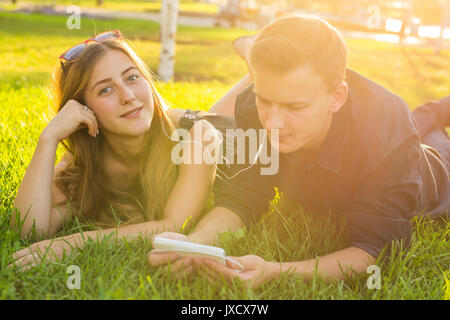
x: 190, y: 192
x: 185, y: 204
x: 187, y: 198
x: 33, y: 199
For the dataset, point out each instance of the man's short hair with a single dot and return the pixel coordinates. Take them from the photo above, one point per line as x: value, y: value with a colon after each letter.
x: 295, y: 40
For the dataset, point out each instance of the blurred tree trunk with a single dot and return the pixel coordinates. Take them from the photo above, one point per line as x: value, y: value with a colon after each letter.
x: 99, y: 3
x: 406, y: 20
x: 444, y: 21
x: 168, y: 29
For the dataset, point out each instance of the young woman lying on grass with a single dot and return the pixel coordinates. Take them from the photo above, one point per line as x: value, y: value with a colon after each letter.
x: 120, y: 168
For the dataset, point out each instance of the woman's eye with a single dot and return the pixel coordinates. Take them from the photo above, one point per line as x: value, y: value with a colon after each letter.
x: 133, y: 77
x: 104, y: 90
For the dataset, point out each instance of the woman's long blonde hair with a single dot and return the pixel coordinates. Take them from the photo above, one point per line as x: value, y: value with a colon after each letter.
x: 84, y: 180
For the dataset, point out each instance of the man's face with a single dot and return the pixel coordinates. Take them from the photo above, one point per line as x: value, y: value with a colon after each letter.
x: 297, y: 103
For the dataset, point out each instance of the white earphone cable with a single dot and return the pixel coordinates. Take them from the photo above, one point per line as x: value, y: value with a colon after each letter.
x: 210, y: 156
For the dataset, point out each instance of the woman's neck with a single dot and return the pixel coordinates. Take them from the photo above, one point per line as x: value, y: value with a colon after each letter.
x: 124, y: 151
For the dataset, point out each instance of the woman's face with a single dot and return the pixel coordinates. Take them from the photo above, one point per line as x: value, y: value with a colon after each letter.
x: 115, y: 88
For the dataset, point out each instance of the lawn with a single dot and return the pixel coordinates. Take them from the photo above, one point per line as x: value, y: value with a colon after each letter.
x: 185, y: 6
x: 205, y: 69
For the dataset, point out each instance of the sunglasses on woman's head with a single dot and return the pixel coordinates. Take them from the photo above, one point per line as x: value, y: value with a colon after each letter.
x: 74, y: 52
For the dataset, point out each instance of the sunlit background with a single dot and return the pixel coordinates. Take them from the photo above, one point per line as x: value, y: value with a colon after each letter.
x: 402, y: 45
x: 413, y: 22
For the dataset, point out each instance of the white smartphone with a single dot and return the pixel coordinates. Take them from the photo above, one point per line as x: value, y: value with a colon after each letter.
x: 189, y: 249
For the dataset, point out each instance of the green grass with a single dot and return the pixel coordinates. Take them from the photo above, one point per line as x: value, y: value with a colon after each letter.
x: 187, y: 6
x: 205, y: 69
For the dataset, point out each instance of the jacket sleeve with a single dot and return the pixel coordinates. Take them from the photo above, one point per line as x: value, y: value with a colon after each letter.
x: 432, y: 115
x: 386, y: 198
x: 243, y: 190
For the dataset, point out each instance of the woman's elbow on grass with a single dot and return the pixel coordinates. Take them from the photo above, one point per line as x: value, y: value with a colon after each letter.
x: 27, y: 226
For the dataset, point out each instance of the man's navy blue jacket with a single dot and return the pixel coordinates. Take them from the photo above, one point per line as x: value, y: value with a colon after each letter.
x: 372, y: 168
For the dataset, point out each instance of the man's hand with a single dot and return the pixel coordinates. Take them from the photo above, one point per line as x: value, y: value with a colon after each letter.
x: 256, y: 270
x: 216, y: 221
x: 182, y: 266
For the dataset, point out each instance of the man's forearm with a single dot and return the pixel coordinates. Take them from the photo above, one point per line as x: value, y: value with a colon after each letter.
x: 218, y: 220
x: 332, y: 266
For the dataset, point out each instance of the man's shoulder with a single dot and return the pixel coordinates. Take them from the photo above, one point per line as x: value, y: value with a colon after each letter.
x: 371, y: 99
x: 380, y: 119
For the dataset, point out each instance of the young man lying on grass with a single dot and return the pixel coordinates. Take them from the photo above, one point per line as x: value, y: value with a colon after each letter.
x: 346, y: 145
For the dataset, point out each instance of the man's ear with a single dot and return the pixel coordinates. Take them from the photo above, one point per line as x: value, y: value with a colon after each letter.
x: 339, y: 97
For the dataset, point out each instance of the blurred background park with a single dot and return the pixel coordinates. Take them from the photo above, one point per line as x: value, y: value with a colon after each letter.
x: 402, y: 45
x: 405, y: 36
